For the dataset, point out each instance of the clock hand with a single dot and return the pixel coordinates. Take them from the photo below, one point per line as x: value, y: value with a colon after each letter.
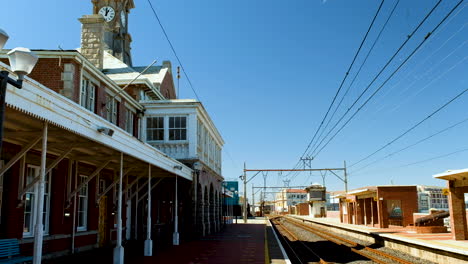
x: 107, y: 11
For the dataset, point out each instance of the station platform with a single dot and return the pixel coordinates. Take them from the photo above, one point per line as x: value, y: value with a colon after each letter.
x: 436, y: 241
x: 250, y: 243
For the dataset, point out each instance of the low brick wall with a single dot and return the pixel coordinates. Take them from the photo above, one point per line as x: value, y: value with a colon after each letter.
x: 333, y: 214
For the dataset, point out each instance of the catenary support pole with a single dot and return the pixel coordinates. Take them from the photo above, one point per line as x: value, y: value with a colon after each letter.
x: 148, y: 241
x: 345, y: 178
x: 245, y: 195
x: 119, y: 250
x: 253, y: 200
x: 39, y: 228
x: 175, y: 236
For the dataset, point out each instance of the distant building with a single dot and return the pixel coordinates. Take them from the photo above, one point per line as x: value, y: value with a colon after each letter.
x: 287, y: 198
x: 316, y: 199
x: 431, y: 197
x: 333, y: 204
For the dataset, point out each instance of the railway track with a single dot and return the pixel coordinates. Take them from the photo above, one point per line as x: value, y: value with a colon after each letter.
x: 365, y: 251
x: 299, y: 250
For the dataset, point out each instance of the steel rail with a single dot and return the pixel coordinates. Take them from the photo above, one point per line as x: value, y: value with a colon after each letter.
x: 277, y: 223
x: 355, y: 247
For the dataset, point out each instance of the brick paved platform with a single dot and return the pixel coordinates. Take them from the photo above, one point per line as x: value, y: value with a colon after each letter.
x: 237, y: 243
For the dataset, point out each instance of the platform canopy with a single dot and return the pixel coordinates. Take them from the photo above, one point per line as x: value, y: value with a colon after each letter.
x: 460, y: 177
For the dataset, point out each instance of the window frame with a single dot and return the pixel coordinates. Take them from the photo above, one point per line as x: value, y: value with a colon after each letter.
x: 34, y: 193
x: 88, y: 92
x: 163, y: 129
x: 179, y: 129
x: 129, y: 120
x: 83, y: 227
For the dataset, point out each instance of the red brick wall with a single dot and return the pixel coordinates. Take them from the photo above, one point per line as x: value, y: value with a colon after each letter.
x: 12, y: 217
x: 302, y: 209
x: 167, y: 87
x: 333, y: 214
x: 408, y: 197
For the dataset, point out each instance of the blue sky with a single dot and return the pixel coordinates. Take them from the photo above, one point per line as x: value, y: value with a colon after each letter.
x: 267, y: 71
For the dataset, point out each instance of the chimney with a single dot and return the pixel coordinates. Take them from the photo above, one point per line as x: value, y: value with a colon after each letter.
x: 92, y: 39
x: 167, y: 64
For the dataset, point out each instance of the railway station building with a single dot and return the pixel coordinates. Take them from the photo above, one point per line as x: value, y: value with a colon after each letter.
x: 106, y: 148
x: 379, y: 206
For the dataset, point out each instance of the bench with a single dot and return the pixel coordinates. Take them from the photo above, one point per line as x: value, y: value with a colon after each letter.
x: 10, y: 253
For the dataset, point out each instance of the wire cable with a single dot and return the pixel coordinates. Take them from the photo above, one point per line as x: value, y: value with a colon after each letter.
x: 411, y: 145
x: 345, y: 77
x: 412, y: 128
x: 433, y: 158
x: 380, y: 72
x: 359, y: 71
x: 428, y: 35
x: 173, y: 50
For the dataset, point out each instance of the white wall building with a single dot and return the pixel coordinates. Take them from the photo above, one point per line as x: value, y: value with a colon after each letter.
x: 287, y: 198
x: 182, y: 129
x: 431, y: 197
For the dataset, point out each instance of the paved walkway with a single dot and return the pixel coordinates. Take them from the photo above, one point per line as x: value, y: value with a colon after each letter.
x: 237, y: 243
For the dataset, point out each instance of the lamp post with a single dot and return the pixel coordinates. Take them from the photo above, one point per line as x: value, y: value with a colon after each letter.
x: 22, y: 61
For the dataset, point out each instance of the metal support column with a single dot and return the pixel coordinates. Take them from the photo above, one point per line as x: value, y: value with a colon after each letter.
x: 175, y: 236
x: 148, y: 241
x: 119, y: 250
x: 245, y: 196
x: 39, y: 228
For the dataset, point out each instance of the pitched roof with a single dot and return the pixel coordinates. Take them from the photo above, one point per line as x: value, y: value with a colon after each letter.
x: 295, y: 191
x: 118, y: 70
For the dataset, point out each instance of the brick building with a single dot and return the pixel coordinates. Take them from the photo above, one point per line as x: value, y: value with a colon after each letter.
x: 78, y: 130
x: 379, y: 206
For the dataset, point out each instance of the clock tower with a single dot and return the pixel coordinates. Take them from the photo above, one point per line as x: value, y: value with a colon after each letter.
x: 116, y: 37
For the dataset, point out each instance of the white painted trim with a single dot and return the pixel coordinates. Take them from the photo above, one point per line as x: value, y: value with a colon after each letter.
x: 44, y: 104
x: 85, y: 66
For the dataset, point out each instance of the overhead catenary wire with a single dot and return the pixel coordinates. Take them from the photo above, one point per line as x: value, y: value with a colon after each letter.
x: 345, y: 77
x: 174, y: 51
x: 411, y: 145
x: 411, y: 128
x: 359, y: 71
x: 428, y: 35
x: 380, y: 72
x: 417, y: 162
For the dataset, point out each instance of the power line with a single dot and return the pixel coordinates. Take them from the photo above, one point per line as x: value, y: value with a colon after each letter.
x: 380, y: 72
x: 413, y: 127
x: 411, y: 145
x: 359, y: 70
x: 423, y: 161
x: 433, y: 158
x: 174, y: 51
x: 345, y: 77
x: 391, y: 75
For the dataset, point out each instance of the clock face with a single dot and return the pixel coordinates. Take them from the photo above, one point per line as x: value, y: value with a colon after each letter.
x: 107, y: 12
x: 122, y: 18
